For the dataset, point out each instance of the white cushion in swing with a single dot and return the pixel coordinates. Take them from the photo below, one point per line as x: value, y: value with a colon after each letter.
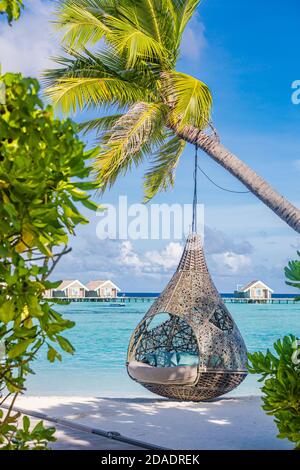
x: 178, y: 375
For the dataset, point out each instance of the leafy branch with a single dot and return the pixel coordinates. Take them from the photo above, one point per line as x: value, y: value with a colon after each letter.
x: 292, y: 272
x: 44, y: 177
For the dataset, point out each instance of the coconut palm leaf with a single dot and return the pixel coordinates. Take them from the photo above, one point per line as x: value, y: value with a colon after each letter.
x: 131, y: 27
x: 108, y: 61
x: 131, y: 138
x: 130, y: 40
x: 185, y: 10
x: 77, y: 64
x: 189, y: 98
x: 82, y: 22
x: 154, y: 17
x: 180, y: 11
x: 99, y: 125
x: 81, y: 92
x: 161, y: 176
x: 91, y: 80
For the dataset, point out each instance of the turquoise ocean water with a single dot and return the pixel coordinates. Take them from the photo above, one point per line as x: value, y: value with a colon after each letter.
x: 101, y: 337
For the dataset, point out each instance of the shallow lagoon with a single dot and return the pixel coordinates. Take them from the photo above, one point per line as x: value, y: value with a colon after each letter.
x: 101, y: 337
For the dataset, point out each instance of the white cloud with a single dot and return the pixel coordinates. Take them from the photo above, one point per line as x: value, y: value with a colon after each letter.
x: 166, y: 259
x: 231, y: 263
x: 28, y: 45
x: 193, y: 41
x: 152, y: 261
x: 129, y: 258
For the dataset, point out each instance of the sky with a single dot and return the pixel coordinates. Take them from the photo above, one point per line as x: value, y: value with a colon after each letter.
x: 247, y: 54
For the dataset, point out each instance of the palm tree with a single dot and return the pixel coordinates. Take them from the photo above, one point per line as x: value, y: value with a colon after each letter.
x: 157, y: 109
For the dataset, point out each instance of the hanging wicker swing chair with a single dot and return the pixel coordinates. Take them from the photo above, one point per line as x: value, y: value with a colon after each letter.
x: 188, y: 347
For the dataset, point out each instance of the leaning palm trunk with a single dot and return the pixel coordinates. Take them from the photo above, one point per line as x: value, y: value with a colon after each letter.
x: 255, y: 183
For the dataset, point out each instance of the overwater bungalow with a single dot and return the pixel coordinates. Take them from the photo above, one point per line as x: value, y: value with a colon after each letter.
x: 256, y: 290
x: 71, y: 288
x: 103, y: 289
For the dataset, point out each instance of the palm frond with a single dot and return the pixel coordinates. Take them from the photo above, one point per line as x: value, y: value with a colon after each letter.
x: 152, y: 5
x: 159, y: 19
x: 129, y: 140
x: 165, y: 19
x: 190, y: 100
x: 132, y: 41
x: 186, y: 9
x: 171, y: 8
x: 99, y: 125
x: 91, y: 80
x: 81, y: 92
x: 75, y: 64
x: 161, y: 176
x: 82, y: 22
x: 150, y: 25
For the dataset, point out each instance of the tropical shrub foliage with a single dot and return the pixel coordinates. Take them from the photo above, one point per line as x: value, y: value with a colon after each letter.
x: 43, y: 171
x: 281, y: 389
x: 11, y: 9
x: 123, y: 54
x: 292, y: 272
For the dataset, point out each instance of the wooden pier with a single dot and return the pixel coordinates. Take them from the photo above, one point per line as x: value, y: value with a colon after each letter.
x: 118, y: 300
x: 128, y: 299
x: 277, y: 300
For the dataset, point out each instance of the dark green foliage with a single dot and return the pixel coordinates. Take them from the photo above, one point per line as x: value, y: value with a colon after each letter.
x: 292, y: 272
x: 43, y: 168
x: 22, y: 438
x: 281, y: 390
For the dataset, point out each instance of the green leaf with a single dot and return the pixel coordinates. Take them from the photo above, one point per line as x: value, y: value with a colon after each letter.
x: 78, y: 195
x: 191, y: 100
x: 65, y: 344
x: 162, y: 174
x: 53, y: 354
x: 128, y: 142
x: 84, y: 80
x: 7, y: 311
x: 81, y: 24
x: 19, y: 349
x: 91, y: 205
x: 87, y: 185
x: 26, y: 424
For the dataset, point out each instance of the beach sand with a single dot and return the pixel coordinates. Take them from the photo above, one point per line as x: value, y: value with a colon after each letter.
x: 227, y: 423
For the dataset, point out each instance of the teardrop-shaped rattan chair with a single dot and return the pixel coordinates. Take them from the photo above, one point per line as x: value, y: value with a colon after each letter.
x: 188, y: 347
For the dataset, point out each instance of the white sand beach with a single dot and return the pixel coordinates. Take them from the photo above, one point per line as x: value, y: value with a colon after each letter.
x: 229, y: 423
